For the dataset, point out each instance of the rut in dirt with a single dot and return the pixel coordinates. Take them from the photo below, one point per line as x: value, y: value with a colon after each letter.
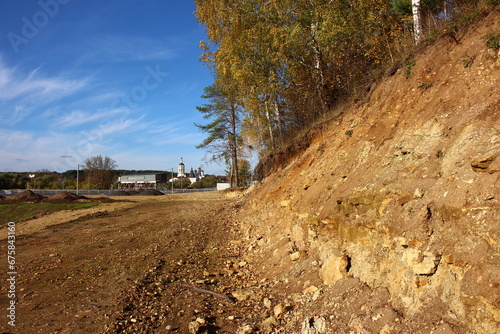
x: 188, y: 281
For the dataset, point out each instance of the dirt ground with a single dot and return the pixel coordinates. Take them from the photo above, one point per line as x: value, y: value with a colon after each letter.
x: 128, y: 267
x: 179, y: 264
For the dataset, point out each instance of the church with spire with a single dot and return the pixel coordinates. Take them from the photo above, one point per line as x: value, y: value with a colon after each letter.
x: 181, y: 169
x: 194, y: 175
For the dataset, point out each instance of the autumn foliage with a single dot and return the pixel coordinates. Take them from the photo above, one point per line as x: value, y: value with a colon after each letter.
x: 290, y: 62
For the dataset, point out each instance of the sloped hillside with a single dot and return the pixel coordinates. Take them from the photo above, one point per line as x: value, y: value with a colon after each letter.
x: 389, y: 220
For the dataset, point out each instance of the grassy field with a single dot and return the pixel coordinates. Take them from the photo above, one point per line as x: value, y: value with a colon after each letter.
x: 16, y: 212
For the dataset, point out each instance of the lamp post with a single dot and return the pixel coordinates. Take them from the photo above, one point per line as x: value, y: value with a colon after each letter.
x: 32, y: 178
x: 77, y: 177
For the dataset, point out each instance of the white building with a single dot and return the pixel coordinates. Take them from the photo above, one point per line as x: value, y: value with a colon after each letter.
x: 181, y: 169
x: 194, y: 175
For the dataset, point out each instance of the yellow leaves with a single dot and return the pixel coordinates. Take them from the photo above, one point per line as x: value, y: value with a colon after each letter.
x: 204, y: 46
x: 303, y: 53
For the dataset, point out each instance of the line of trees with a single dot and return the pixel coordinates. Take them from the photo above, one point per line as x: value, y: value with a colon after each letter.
x: 42, y: 179
x: 280, y: 65
x: 98, y: 172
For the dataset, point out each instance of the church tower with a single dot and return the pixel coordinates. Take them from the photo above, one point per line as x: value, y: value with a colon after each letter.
x: 181, y: 169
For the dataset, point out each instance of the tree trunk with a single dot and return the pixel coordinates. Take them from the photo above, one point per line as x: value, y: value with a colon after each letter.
x: 270, y: 125
x: 417, y: 20
x: 319, y: 79
x: 279, y: 120
x: 234, y: 149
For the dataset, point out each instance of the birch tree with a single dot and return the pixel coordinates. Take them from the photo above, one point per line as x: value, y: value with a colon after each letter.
x: 417, y: 20
x: 289, y: 62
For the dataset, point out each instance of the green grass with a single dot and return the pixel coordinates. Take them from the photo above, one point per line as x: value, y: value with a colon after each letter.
x: 493, y: 41
x: 16, y: 212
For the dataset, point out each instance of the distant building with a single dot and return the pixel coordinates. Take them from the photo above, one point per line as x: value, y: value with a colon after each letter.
x: 194, y: 175
x: 141, y: 181
x: 150, y: 181
x: 223, y: 186
x: 181, y: 169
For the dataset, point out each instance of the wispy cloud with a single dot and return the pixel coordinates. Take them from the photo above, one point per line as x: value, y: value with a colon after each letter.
x: 79, y: 117
x: 173, y: 133
x: 28, y: 151
x: 15, y: 85
x: 123, y: 126
x: 21, y: 94
x: 112, y: 48
x: 183, y: 90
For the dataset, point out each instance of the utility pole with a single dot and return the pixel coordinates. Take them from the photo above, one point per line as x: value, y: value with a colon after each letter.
x: 172, y: 181
x: 77, y: 177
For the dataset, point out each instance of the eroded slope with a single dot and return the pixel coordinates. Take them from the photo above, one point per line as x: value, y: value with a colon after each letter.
x: 400, y: 193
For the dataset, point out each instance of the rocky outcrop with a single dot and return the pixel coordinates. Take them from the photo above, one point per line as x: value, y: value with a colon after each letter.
x: 401, y: 192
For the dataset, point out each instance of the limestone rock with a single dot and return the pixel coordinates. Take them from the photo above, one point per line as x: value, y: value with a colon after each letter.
x: 278, y: 310
x: 309, y: 289
x: 315, y: 325
x: 484, y: 165
x: 245, y: 329
x: 243, y: 295
x: 285, y: 204
x: 269, y: 323
x: 333, y: 269
x: 422, y: 263
x: 194, y: 327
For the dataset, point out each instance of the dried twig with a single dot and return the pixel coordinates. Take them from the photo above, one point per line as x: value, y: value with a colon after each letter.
x: 209, y: 292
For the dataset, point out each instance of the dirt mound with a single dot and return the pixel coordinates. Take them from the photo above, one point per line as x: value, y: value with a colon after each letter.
x: 150, y: 192
x: 27, y: 196
x: 103, y: 199
x: 65, y: 197
x: 133, y: 192
x: 120, y: 193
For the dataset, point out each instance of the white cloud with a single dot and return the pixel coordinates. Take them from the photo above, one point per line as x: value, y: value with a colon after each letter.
x: 123, y: 126
x: 25, y: 151
x: 112, y: 48
x: 79, y: 117
x: 21, y: 94
x: 14, y: 85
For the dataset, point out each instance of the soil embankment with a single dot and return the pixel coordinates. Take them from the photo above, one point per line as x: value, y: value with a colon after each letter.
x: 398, y: 199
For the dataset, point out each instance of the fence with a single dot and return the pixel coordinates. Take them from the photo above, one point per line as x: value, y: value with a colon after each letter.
x: 93, y: 192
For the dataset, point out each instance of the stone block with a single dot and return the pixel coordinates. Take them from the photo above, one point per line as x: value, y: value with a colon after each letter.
x: 334, y: 269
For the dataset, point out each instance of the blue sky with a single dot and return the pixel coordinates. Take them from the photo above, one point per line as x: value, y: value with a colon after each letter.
x: 121, y: 78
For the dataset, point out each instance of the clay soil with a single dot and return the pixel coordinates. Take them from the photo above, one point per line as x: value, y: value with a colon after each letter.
x: 156, y: 264
x: 128, y: 267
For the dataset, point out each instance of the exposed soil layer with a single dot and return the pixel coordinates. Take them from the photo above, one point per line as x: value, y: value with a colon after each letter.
x: 141, y: 269
x: 401, y: 192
